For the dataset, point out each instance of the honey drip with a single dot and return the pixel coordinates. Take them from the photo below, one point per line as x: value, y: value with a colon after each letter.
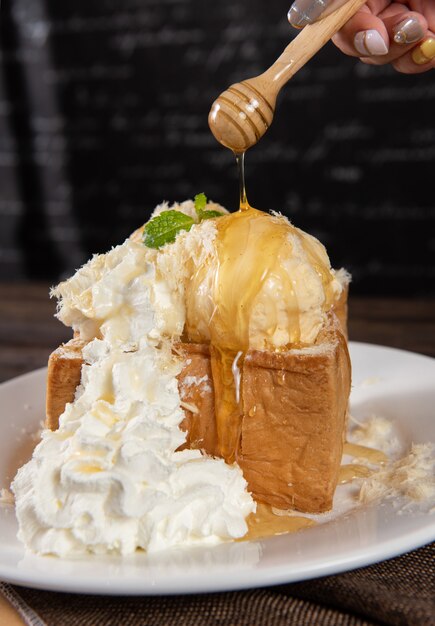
x: 265, y: 523
x: 348, y: 473
x: 252, y: 248
x: 243, y: 199
x: 228, y: 409
x: 362, y: 452
x: 248, y: 246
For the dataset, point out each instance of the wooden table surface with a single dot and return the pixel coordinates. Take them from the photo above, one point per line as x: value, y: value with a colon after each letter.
x: 28, y: 330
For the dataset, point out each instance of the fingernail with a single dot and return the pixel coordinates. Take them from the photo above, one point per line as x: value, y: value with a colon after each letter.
x: 408, y: 31
x: 303, y: 12
x: 370, y: 42
x: 425, y: 52
x: 296, y: 19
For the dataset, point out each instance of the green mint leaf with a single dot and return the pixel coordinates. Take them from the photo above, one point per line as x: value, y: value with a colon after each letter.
x: 163, y: 228
x: 200, y: 204
x: 207, y: 215
x: 200, y: 201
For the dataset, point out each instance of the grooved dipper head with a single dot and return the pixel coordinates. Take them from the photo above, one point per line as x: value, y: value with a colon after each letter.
x: 240, y: 116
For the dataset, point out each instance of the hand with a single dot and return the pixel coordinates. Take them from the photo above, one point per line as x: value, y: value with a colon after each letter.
x: 400, y: 32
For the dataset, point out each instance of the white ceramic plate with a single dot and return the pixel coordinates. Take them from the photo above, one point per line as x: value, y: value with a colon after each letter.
x: 394, y: 384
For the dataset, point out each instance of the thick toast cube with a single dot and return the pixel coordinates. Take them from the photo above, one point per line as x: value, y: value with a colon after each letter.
x: 293, y: 422
x: 295, y: 409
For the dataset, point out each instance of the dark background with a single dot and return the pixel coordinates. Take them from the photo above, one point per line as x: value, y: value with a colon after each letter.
x: 103, y: 114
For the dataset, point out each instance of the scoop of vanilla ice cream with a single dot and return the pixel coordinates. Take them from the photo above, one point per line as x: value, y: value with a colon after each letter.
x: 292, y: 294
x: 312, y: 297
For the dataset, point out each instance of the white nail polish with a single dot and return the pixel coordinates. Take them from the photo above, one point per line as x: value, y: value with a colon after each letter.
x: 370, y: 43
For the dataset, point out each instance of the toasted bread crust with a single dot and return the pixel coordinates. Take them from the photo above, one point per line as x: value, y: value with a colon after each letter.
x: 195, y: 383
x: 63, y: 377
x: 295, y: 408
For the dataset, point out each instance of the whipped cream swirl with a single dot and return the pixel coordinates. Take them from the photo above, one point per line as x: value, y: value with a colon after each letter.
x: 110, y: 479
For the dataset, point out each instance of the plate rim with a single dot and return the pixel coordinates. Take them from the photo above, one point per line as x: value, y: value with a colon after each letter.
x: 196, y: 582
x: 248, y: 579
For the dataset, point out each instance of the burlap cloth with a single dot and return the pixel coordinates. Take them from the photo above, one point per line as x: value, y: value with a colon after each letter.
x: 399, y: 592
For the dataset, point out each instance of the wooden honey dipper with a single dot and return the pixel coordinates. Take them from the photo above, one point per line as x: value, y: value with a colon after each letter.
x: 241, y: 115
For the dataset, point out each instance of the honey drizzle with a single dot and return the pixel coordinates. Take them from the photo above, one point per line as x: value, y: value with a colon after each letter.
x: 248, y: 247
x: 243, y: 199
x: 377, y: 457
x: 348, y: 473
x: 308, y: 243
x: 252, y: 247
x: 228, y: 410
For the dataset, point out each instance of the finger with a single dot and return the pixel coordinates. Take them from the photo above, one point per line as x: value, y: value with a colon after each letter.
x: 303, y: 12
x: 385, y: 37
x: 428, y: 10
x: 363, y: 35
x: 404, y: 29
x: 418, y: 60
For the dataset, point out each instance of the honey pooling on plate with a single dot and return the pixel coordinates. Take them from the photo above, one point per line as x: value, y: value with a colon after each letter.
x: 267, y: 522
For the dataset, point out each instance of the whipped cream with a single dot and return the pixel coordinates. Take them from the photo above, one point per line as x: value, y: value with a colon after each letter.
x: 110, y: 479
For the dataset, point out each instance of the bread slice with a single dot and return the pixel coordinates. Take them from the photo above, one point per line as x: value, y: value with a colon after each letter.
x: 294, y: 422
x: 195, y: 383
x: 63, y: 377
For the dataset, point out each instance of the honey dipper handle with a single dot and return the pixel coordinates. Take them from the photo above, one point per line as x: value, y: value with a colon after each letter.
x: 305, y: 45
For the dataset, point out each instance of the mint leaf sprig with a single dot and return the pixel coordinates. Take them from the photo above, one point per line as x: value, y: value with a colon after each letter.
x: 200, y: 201
x: 164, y: 228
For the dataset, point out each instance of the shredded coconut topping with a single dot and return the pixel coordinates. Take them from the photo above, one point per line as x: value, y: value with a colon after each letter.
x: 411, y: 477
x: 6, y: 497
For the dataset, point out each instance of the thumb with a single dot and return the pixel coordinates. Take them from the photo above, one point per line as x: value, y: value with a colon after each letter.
x: 303, y: 12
